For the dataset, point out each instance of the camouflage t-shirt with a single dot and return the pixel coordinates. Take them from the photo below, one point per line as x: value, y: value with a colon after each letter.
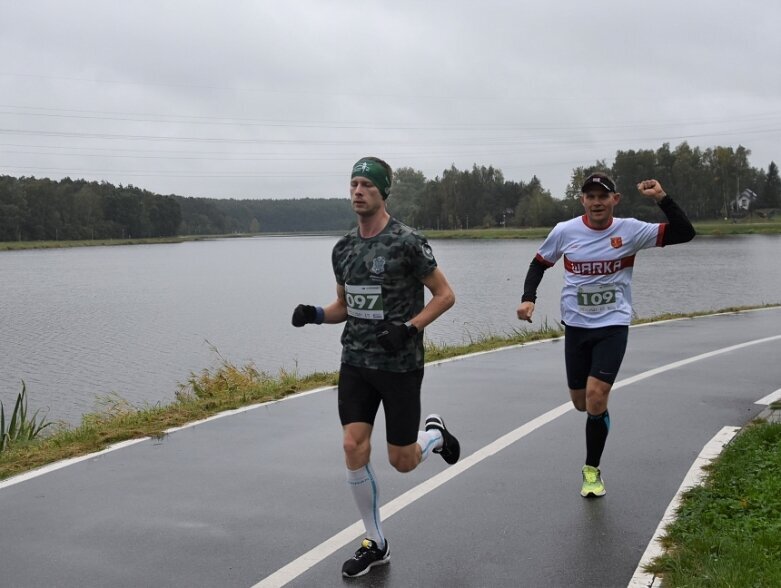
x: 382, y: 281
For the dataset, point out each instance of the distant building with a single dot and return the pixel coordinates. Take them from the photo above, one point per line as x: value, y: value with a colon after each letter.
x: 744, y: 201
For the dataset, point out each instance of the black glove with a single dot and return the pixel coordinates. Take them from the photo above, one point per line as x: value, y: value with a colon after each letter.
x: 393, y: 336
x: 303, y: 315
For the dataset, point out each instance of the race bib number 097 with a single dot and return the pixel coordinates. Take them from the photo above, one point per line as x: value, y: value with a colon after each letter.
x: 364, y: 301
x: 596, y: 298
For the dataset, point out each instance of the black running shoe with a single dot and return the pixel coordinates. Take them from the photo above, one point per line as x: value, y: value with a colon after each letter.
x: 367, y: 556
x: 451, y: 448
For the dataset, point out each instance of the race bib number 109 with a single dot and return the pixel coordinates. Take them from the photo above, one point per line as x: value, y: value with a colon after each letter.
x: 596, y: 298
x: 364, y: 301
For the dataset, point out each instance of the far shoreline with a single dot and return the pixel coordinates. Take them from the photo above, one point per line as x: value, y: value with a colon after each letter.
x: 713, y: 228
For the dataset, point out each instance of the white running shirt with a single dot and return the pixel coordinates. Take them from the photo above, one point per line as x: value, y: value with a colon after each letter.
x: 598, y: 267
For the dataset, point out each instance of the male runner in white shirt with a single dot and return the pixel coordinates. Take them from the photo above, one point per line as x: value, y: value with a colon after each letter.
x: 596, y: 300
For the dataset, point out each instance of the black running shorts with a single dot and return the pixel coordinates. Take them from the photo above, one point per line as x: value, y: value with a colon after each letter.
x: 362, y: 389
x: 593, y: 352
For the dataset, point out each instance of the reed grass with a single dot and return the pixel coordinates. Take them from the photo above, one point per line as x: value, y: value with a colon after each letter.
x: 22, y: 427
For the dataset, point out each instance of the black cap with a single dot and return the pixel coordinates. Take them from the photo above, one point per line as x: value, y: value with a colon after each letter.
x: 601, y: 180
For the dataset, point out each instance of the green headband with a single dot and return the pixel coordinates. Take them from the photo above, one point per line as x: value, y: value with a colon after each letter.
x: 368, y: 168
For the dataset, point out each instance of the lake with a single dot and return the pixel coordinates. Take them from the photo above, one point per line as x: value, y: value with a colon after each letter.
x: 78, y: 324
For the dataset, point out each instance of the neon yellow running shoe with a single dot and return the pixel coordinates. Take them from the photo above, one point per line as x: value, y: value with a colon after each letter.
x: 592, y: 482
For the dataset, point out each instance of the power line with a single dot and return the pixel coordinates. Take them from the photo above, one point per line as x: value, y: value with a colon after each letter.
x: 250, y: 122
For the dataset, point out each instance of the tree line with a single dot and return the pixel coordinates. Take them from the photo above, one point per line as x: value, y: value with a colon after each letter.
x: 712, y: 183
x: 210, y: 216
x: 42, y: 209
x: 706, y: 183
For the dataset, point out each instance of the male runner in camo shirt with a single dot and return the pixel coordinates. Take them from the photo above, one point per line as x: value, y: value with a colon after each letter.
x: 381, y: 269
x: 596, y: 301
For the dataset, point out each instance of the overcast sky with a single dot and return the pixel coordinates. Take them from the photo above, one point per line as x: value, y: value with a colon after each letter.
x: 253, y: 99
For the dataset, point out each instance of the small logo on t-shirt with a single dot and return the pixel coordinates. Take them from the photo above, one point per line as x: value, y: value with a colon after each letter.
x: 616, y: 242
x: 378, y: 265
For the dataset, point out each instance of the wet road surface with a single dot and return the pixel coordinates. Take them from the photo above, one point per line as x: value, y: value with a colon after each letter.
x: 238, y: 500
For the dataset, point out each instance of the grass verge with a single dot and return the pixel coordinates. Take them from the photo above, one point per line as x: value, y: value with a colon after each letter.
x: 222, y: 388
x: 225, y: 387
x: 20, y: 245
x: 728, y: 531
x: 205, y: 394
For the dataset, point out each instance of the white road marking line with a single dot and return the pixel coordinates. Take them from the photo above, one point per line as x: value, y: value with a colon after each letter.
x: 122, y: 444
x: 770, y: 398
x: 314, y: 556
x: 66, y: 462
x: 694, y: 477
x: 683, y: 362
x: 247, y: 408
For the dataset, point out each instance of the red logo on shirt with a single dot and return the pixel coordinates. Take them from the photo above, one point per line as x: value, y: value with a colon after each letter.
x: 616, y: 242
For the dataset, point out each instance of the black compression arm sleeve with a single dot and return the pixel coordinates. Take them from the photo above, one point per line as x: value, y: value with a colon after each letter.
x: 533, y: 279
x: 679, y: 229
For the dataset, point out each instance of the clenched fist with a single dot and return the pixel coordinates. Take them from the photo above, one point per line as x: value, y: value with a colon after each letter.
x: 652, y: 189
x: 525, y: 311
x: 305, y: 314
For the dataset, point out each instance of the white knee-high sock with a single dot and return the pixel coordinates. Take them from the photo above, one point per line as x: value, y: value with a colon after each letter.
x: 366, y: 492
x: 429, y: 441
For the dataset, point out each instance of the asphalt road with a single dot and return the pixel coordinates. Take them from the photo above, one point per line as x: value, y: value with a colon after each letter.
x: 238, y: 500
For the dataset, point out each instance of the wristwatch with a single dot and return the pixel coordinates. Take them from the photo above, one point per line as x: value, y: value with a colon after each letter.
x: 412, y: 330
